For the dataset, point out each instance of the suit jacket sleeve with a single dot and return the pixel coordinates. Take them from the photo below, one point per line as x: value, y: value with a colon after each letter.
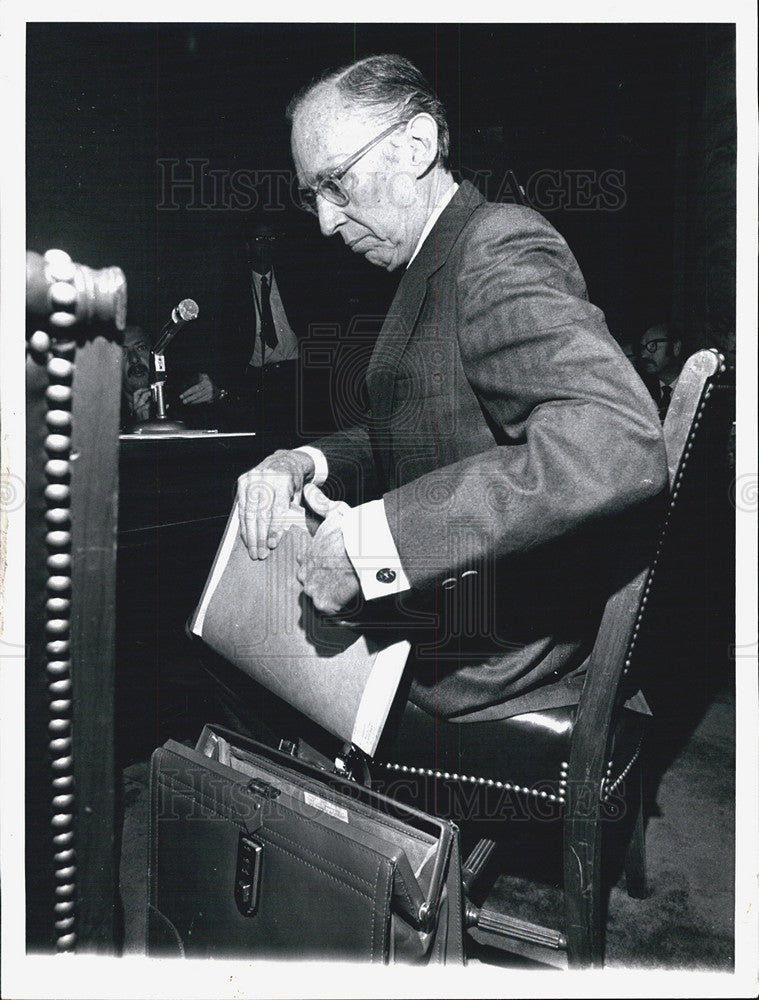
x: 577, y: 435
x: 350, y: 459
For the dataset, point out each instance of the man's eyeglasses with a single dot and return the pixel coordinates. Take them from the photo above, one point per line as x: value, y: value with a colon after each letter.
x: 650, y: 347
x: 331, y: 187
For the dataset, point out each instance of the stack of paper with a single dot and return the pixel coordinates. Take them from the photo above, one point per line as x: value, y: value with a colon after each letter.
x: 255, y: 613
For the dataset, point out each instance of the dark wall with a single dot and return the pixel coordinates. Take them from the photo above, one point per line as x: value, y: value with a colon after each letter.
x: 90, y: 148
x: 583, y: 118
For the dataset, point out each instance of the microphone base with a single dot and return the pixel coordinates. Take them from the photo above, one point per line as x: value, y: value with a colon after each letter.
x: 158, y: 426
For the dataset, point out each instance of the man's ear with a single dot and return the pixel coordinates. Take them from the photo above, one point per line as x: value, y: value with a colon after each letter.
x: 423, y: 132
x: 676, y: 348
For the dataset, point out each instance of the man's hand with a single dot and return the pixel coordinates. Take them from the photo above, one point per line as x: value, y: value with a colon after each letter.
x: 264, y: 496
x: 139, y: 404
x: 324, y: 571
x: 202, y: 392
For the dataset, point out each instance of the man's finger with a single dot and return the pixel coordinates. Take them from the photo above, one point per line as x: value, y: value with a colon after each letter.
x: 260, y: 505
x: 319, y: 502
x: 264, y: 497
x: 240, y: 501
x: 243, y: 526
x: 280, y: 512
x: 325, y: 606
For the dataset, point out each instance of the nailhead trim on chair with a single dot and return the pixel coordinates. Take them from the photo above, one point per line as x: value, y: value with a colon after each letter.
x: 58, y: 355
x: 670, y: 506
x: 60, y: 371
x: 606, y: 789
x: 450, y: 775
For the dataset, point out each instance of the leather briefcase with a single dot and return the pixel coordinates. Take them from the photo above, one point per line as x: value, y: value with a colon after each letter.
x: 254, y: 853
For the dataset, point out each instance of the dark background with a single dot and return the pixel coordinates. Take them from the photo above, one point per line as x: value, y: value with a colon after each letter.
x: 107, y: 102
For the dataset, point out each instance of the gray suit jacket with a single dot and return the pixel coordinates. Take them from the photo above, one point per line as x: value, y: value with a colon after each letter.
x: 511, y: 440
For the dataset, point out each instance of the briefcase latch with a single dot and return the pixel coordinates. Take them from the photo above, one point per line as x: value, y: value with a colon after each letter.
x: 263, y: 788
x: 248, y: 876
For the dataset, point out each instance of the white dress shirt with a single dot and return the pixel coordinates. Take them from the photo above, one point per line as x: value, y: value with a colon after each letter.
x: 368, y: 540
x: 287, y: 343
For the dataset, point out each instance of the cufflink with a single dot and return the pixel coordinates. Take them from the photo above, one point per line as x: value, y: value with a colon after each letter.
x: 386, y: 575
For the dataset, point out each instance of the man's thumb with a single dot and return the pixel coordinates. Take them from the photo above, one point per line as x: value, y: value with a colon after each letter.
x: 319, y: 502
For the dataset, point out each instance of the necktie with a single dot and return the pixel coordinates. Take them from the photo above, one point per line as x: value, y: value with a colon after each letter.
x: 268, y: 333
x: 666, y: 395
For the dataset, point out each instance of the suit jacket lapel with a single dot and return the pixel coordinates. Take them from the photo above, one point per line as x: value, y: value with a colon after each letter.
x: 404, y: 310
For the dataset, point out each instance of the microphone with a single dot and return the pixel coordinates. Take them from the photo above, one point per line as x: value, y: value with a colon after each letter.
x: 186, y: 311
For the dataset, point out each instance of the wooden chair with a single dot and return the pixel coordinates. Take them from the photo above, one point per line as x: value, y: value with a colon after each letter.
x: 575, y: 759
x: 73, y: 392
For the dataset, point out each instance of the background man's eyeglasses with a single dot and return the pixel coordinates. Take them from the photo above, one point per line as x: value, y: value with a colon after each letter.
x: 331, y: 187
x: 650, y: 347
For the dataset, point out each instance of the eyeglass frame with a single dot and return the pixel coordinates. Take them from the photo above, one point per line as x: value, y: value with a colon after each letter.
x: 646, y: 348
x: 340, y: 171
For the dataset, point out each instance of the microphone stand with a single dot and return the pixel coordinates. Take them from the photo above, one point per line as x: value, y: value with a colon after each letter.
x: 161, y: 424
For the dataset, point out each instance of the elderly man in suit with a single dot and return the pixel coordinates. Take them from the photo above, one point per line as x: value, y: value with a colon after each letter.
x: 508, y: 434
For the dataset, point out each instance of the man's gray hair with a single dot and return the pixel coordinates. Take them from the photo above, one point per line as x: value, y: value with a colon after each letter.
x: 390, y: 86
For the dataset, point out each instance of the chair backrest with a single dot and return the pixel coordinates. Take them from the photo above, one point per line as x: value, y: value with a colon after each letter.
x: 610, y: 659
x: 73, y: 389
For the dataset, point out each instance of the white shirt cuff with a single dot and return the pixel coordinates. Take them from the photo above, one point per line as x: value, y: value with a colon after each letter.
x: 320, y: 461
x: 371, y: 549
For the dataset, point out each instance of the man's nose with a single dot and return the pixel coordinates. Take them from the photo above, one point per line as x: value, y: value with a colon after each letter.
x: 331, y: 216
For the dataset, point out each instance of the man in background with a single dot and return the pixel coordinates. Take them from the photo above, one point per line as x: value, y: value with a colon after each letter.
x: 661, y: 363
x: 259, y: 326
x: 135, y: 383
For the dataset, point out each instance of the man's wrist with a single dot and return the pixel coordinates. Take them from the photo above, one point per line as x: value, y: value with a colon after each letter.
x: 307, y: 464
x: 319, y: 469
x: 371, y: 549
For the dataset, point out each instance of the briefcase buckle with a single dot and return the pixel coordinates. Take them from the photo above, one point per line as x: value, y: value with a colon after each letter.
x: 263, y: 788
x: 248, y: 876
x: 351, y: 764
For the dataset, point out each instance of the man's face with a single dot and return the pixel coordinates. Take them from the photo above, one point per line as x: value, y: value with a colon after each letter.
x: 260, y: 247
x: 136, y: 364
x: 382, y: 219
x: 654, y: 351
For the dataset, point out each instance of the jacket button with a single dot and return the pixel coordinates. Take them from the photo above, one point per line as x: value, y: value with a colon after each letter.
x: 386, y: 575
